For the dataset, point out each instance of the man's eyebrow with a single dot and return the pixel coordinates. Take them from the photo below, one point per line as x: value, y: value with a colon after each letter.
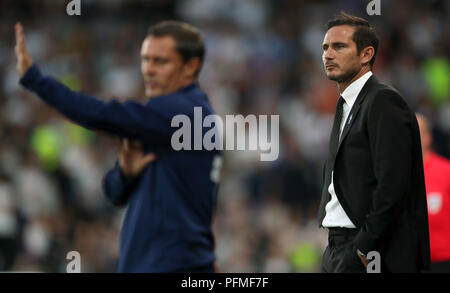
x: 334, y: 44
x: 338, y: 43
x: 156, y: 58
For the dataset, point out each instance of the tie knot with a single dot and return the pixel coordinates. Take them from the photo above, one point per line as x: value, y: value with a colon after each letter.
x: 341, y: 100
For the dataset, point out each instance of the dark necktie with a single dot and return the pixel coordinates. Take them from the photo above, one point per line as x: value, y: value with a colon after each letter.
x: 334, y: 140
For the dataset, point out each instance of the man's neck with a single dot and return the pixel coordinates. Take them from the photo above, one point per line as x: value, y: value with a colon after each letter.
x: 182, y: 85
x: 186, y: 83
x: 343, y: 85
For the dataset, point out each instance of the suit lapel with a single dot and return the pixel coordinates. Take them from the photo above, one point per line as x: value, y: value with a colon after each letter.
x: 348, y: 123
x: 355, y: 109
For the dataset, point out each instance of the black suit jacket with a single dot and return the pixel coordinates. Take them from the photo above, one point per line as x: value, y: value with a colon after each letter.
x: 379, y: 181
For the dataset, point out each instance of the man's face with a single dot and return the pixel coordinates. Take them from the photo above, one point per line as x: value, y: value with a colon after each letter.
x: 162, y: 67
x: 340, y: 54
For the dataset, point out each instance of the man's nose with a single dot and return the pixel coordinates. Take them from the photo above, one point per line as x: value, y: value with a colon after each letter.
x: 149, y: 68
x: 328, y: 54
x: 328, y: 57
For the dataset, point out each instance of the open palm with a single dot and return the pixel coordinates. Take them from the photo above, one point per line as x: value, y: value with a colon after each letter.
x: 24, y: 60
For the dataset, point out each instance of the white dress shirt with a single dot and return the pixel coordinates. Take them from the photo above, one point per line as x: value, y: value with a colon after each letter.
x: 335, y: 215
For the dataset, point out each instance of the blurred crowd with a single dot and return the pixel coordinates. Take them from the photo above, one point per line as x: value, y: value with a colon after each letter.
x: 263, y: 57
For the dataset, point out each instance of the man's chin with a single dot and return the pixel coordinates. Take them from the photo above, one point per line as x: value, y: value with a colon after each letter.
x: 343, y: 77
x: 151, y: 93
x: 333, y: 77
x: 339, y: 78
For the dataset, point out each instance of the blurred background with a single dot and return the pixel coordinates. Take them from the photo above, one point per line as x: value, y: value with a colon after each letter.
x: 263, y: 57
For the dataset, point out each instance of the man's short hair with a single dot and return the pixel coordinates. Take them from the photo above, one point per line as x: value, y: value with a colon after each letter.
x: 364, y: 35
x: 188, y: 39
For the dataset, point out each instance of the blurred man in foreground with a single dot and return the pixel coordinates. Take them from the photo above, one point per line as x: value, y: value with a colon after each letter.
x: 437, y: 183
x: 170, y: 195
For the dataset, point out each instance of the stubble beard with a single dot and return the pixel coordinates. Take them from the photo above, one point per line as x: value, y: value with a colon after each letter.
x: 344, y: 77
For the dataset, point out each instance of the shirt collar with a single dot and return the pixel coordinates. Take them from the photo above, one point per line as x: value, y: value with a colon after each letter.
x: 352, y: 91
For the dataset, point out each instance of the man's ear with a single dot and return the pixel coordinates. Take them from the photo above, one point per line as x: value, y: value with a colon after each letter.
x: 192, y: 66
x: 367, y: 54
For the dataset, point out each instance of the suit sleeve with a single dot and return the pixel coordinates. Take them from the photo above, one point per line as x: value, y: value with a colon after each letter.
x: 390, y: 136
x: 129, y: 119
x: 117, y: 188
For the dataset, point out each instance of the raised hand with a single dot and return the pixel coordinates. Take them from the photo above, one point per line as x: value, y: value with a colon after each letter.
x: 24, y: 60
x: 132, y: 158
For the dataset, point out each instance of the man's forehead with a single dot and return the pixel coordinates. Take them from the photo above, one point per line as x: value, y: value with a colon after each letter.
x: 164, y: 44
x: 340, y: 33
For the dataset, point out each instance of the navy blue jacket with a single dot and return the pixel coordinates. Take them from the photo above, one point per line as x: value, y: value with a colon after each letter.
x: 167, y: 226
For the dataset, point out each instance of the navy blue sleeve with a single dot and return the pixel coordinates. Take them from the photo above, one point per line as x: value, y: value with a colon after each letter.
x: 129, y: 119
x: 116, y: 187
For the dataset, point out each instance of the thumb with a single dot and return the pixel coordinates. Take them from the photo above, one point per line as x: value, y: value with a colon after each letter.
x: 149, y: 158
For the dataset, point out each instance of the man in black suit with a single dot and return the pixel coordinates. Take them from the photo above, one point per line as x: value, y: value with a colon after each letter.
x: 373, y: 198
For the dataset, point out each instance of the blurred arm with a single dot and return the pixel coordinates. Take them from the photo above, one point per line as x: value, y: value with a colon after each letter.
x: 129, y: 119
x: 117, y: 187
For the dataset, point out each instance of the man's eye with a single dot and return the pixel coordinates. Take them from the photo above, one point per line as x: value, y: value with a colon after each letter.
x: 160, y: 61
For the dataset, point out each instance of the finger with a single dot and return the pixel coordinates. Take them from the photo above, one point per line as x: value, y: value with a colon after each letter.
x: 20, y: 37
x: 21, y: 48
x: 149, y: 158
x: 19, y: 33
x: 18, y: 28
x: 125, y: 145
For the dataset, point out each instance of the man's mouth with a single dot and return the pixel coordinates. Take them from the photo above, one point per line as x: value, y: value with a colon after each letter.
x: 330, y: 66
x: 150, y: 84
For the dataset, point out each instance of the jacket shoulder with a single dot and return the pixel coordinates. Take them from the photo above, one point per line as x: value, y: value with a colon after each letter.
x: 381, y: 89
x: 380, y: 93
